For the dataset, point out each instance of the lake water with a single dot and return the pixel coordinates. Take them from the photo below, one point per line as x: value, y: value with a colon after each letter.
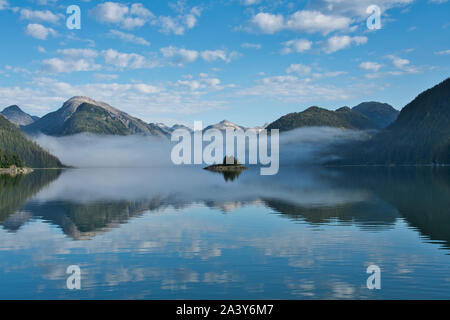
x: 185, y: 233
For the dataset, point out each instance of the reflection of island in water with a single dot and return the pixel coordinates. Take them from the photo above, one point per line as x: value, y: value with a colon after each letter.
x: 230, y: 168
x: 421, y: 196
x: 229, y: 175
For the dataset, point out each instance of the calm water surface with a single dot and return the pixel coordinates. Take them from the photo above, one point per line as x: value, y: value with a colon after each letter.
x: 307, y: 233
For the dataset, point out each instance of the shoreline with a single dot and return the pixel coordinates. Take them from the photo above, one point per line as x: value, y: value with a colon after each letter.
x: 14, y: 171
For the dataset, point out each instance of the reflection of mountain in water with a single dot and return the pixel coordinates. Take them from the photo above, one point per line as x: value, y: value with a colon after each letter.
x: 420, y: 194
x: 370, y: 198
x: 15, y: 191
x: 369, y: 215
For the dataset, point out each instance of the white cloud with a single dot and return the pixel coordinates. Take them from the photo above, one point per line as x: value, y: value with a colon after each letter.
x: 129, y: 37
x: 57, y: 65
x: 143, y: 100
x: 315, y: 21
x: 78, y: 53
x: 127, y: 17
x: 38, y: 31
x: 296, y: 45
x: 337, y: 43
x: 146, y: 88
x: 179, y: 56
x: 40, y: 16
x: 291, y: 89
x: 105, y: 77
x: 404, y: 65
x: 299, y: 69
x: 4, y: 4
x: 398, y: 62
x: 110, y: 12
x: 268, y: 23
x: 357, y: 8
x: 127, y: 60
x: 250, y: 2
x: 401, y: 67
x: 443, y: 52
x: 370, y: 66
x: 246, y: 45
x: 204, y: 83
x: 179, y: 24
x: 300, y: 21
x: 213, y: 55
x: 72, y: 60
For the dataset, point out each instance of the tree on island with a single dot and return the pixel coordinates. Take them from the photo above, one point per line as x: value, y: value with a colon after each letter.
x: 231, y: 161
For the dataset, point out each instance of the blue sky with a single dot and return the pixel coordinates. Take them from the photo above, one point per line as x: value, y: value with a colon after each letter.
x: 248, y: 61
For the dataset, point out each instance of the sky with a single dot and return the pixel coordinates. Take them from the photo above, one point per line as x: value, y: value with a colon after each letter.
x: 247, y: 61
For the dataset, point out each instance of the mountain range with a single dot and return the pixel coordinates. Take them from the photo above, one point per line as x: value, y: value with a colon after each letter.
x: 419, y: 134
x: 365, y: 116
x: 83, y: 114
x: 17, y: 116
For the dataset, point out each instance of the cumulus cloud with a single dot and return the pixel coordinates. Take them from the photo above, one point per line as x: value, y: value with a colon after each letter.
x: 268, y: 23
x: 39, y: 16
x: 300, y: 21
x: 4, y: 4
x: 213, y: 55
x: 128, y: 37
x: 57, y: 65
x: 178, y: 24
x: 38, y: 31
x: 144, y: 100
x: 370, y: 66
x: 296, y: 45
x: 292, y: 89
x: 247, y: 45
x: 136, y: 15
x: 250, y: 2
x: 442, y: 52
x: 204, y: 83
x: 179, y: 56
x: 72, y: 60
x: 299, y: 69
x: 358, y: 8
x: 402, y: 64
x: 127, y: 60
x: 127, y: 17
x: 400, y: 67
x: 337, y: 43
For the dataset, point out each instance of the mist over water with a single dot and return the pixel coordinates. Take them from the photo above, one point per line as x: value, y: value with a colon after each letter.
x: 300, y: 146
x: 89, y: 150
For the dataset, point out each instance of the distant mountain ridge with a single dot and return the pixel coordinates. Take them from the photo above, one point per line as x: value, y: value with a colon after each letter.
x: 18, y: 116
x: 382, y: 114
x: 420, y: 135
x: 319, y: 117
x: 83, y: 114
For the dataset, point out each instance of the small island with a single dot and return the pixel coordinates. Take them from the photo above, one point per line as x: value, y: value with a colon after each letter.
x: 230, y: 164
